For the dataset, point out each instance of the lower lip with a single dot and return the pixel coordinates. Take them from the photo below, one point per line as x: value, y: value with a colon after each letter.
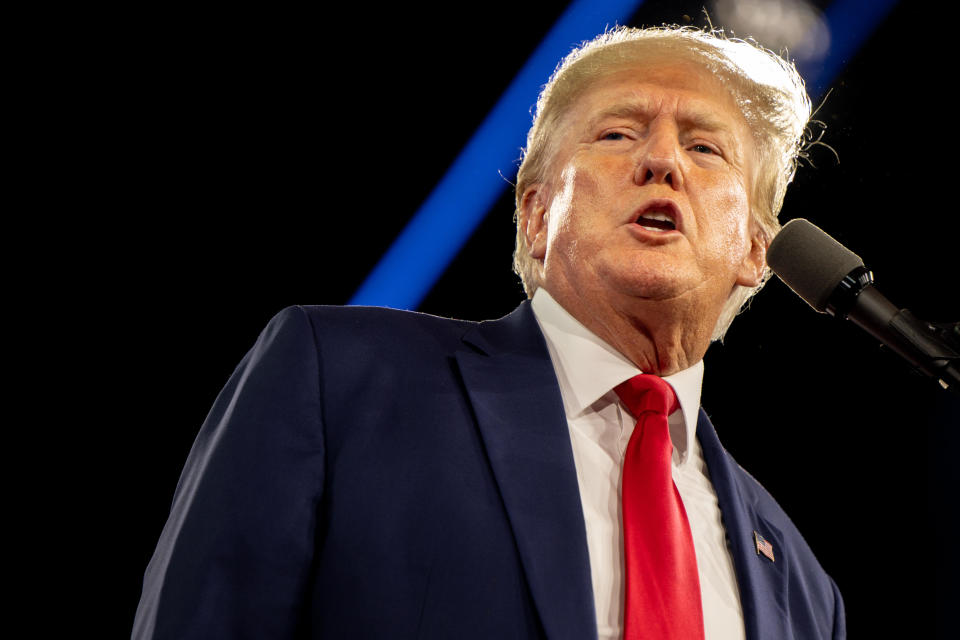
x: 654, y: 237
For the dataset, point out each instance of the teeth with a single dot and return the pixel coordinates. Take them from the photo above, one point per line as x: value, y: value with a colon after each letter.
x: 657, y: 216
x: 657, y: 221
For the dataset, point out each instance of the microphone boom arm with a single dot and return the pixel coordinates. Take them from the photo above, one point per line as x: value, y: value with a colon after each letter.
x: 931, y: 349
x: 832, y: 279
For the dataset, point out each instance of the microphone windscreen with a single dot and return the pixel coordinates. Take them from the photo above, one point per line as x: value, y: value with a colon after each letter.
x: 810, y: 262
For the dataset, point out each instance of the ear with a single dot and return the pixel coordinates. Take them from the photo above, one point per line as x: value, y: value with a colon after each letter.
x: 533, y: 220
x: 755, y: 262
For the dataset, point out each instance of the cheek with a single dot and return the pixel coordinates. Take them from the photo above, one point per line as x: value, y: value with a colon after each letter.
x: 570, y: 214
x: 560, y: 209
x: 729, y: 222
x: 559, y: 214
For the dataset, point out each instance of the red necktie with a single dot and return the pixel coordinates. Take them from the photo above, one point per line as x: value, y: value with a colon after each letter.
x: 662, y: 584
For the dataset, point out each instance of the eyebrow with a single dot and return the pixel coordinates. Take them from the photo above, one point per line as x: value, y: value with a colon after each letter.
x: 694, y: 118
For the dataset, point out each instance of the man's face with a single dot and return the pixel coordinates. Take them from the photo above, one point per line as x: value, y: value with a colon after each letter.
x: 648, y: 194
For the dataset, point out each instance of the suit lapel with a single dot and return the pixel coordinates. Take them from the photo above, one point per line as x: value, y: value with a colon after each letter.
x: 762, y: 582
x: 513, y: 389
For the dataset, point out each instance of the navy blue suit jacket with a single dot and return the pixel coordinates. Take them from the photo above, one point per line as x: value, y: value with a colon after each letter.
x: 371, y: 473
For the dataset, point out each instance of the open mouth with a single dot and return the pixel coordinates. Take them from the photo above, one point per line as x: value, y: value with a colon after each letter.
x: 656, y: 221
x: 659, y: 217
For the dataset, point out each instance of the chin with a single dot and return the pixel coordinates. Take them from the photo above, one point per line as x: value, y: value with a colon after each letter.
x: 661, y: 282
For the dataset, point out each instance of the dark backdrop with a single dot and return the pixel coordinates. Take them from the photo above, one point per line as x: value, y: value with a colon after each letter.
x: 230, y: 163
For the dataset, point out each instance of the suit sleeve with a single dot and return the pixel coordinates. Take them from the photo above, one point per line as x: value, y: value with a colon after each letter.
x: 234, y: 557
x: 839, y: 615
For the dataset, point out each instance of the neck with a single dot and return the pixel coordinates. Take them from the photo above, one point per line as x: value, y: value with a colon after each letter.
x: 659, y: 336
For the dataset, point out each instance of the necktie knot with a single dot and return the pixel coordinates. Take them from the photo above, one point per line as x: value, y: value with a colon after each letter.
x: 647, y: 392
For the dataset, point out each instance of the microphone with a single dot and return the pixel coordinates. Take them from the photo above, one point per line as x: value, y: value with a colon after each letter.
x: 832, y: 279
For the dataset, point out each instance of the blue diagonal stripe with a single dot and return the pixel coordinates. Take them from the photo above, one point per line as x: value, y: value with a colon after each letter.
x: 473, y: 183
x: 471, y: 186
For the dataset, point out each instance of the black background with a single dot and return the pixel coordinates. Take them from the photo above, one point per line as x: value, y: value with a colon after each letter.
x: 219, y: 165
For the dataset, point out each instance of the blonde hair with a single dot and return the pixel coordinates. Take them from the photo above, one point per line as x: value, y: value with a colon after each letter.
x: 767, y: 88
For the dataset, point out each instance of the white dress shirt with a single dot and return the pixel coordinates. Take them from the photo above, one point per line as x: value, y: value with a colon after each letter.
x: 588, y: 369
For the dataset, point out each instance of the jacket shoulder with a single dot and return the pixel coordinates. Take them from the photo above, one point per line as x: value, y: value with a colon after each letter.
x: 379, y: 323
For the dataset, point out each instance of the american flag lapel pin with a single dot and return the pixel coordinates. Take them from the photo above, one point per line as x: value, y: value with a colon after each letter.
x: 763, y: 546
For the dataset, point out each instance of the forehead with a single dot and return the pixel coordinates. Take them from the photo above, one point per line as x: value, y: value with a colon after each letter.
x: 693, y: 93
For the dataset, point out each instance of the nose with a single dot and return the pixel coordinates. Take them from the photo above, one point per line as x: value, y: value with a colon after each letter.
x: 659, y: 160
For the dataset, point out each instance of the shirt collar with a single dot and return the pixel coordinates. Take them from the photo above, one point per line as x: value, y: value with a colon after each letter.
x: 587, y: 368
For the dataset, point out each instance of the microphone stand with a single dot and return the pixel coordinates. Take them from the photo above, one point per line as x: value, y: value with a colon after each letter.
x: 931, y: 349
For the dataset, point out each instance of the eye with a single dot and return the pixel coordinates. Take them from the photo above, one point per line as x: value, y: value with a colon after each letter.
x: 613, y: 135
x: 702, y: 148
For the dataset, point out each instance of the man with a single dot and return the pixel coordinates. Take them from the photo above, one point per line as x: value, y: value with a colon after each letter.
x: 370, y: 473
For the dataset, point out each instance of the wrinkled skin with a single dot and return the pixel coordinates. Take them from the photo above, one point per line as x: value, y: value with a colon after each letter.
x: 662, y: 136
